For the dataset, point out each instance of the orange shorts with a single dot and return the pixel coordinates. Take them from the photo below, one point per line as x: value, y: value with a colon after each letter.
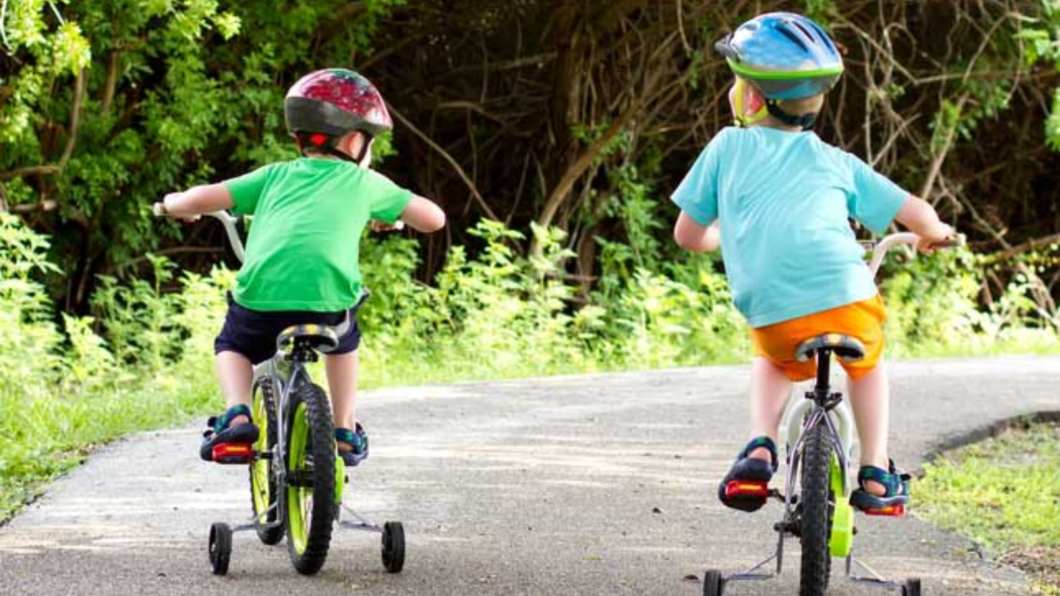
x: 862, y: 320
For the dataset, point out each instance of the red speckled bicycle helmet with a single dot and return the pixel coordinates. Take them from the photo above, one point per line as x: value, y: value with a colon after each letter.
x: 327, y: 104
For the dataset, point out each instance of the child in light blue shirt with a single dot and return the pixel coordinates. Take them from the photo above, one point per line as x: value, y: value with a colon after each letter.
x: 783, y: 198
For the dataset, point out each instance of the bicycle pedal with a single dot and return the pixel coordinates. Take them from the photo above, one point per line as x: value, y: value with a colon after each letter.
x: 746, y: 488
x: 233, y: 453
x: 892, y: 511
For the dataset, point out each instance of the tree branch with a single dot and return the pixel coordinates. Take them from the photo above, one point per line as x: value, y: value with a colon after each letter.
x: 112, y: 79
x: 1026, y: 246
x: 75, y: 119
x: 936, y: 162
x: 45, y: 205
x: 566, y: 183
x: 30, y: 171
x: 449, y: 158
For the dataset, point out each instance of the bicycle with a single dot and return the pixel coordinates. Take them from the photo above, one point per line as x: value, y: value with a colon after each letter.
x: 297, y: 481
x: 820, y: 439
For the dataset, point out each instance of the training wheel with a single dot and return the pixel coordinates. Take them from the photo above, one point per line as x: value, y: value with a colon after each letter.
x: 220, y: 547
x: 912, y: 587
x: 713, y: 583
x: 393, y: 546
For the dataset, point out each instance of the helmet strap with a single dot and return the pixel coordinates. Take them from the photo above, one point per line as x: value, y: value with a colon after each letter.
x: 805, y: 121
x: 741, y: 107
x: 365, y: 147
x: 323, y: 143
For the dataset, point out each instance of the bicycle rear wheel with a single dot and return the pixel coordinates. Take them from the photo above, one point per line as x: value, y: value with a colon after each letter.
x: 814, y: 508
x: 263, y: 493
x: 310, y: 478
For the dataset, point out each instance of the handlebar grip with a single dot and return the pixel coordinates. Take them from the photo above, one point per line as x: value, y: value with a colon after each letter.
x: 958, y: 240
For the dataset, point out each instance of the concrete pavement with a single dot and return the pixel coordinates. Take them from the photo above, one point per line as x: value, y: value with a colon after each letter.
x: 587, y: 485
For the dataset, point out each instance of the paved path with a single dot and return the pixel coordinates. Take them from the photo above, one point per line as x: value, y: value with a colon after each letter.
x: 578, y: 485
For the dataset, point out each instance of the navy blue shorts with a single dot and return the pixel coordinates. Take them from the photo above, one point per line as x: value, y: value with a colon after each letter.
x: 252, y: 333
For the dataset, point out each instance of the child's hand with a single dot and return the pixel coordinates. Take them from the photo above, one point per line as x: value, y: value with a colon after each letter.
x: 936, y: 235
x: 382, y: 226
x: 170, y: 204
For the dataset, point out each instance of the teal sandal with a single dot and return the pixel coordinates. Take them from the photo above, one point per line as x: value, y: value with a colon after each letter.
x: 227, y: 444
x: 746, y: 486
x: 892, y: 503
x: 358, y: 442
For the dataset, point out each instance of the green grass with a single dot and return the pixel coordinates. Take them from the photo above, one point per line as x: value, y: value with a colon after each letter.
x: 52, y: 433
x: 1005, y: 494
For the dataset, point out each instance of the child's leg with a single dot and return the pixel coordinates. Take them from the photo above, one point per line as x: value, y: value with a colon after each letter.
x: 870, y: 399
x: 742, y: 487
x: 342, y: 383
x: 235, y: 374
x: 770, y: 388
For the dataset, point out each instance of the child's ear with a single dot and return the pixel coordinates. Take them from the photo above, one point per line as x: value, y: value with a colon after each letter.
x: 755, y: 101
x: 746, y: 102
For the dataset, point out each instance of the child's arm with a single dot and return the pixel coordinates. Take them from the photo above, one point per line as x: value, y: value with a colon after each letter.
x: 195, y: 201
x: 696, y: 237
x: 423, y: 215
x: 921, y: 219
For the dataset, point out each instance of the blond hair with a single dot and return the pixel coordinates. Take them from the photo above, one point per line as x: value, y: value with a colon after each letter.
x: 804, y: 105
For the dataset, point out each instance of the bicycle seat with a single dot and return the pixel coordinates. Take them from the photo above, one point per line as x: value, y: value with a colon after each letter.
x: 319, y: 337
x: 844, y: 346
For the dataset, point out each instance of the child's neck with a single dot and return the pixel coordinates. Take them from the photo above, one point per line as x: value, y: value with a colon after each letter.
x: 771, y: 122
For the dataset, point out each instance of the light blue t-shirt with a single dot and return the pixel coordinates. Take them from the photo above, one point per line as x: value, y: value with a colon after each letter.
x: 784, y: 199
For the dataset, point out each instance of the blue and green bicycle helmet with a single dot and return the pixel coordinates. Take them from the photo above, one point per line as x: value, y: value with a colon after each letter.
x: 786, y: 56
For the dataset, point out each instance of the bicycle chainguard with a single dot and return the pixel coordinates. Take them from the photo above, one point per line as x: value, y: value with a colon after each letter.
x: 233, y: 453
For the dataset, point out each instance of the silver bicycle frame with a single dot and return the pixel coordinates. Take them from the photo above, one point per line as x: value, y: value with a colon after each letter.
x: 800, y: 415
x: 284, y: 376
x: 841, y: 418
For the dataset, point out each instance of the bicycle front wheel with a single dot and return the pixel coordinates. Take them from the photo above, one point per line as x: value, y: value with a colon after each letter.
x: 814, y: 509
x: 310, y: 478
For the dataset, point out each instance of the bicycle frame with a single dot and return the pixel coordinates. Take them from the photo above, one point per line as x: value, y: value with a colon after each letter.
x: 286, y: 372
x: 822, y: 406
x: 285, y: 377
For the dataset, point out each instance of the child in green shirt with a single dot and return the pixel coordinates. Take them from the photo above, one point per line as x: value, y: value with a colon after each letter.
x: 301, y: 261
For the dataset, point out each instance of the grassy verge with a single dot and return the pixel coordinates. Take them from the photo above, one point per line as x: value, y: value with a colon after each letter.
x: 55, y: 433
x: 1005, y: 494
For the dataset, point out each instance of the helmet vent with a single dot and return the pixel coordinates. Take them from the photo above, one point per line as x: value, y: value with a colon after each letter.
x: 804, y: 31
x: 794, y: 38
x: 824, y: 36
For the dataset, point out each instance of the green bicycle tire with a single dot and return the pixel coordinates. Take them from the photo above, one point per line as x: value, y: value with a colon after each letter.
x: 310, y: 500
x: 815, y: 515
x: 263, y: 492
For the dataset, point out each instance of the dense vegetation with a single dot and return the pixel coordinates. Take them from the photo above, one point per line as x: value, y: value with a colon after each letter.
x: 551, y: 131
x: 582, y: 115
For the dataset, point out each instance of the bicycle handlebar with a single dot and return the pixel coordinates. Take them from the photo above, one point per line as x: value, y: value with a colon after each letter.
x: 228, y: 220
x: 888, y: 242
x: 880, y: 249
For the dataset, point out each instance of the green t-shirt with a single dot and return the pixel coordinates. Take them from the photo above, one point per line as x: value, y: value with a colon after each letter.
x: 309, y: 213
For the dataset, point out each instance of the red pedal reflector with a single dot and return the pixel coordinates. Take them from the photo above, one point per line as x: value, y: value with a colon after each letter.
x: 746, y: 488
x: 233, y: 453
x: 892, y: 511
